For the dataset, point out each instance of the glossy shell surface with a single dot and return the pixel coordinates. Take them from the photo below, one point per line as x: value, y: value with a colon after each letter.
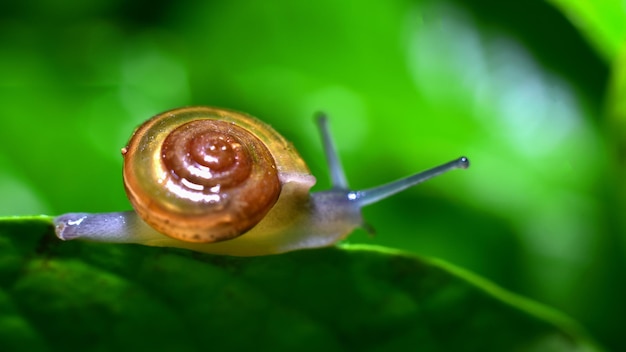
x: 203, y: 174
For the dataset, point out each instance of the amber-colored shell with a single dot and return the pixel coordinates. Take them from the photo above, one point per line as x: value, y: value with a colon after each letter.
x: 202, y: 174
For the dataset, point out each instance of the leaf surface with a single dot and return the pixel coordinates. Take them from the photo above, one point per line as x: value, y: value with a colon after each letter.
x: 76, y: 295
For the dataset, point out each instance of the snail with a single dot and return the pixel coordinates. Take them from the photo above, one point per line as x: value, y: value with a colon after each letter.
x: 218, y: 181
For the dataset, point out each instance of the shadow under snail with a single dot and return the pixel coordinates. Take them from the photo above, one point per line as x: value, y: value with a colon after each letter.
x: 218, y: 181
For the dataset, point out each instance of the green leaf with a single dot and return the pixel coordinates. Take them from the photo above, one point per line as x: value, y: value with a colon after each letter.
x: 602, y: 22
x: 58, y: 295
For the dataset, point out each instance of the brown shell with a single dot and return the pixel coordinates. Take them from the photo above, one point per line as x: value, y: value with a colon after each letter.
x: 202, y: 174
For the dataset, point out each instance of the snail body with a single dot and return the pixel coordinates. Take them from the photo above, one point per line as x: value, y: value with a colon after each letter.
x: 218, y: 181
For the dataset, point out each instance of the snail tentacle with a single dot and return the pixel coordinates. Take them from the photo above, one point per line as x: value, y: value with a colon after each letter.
x: 375, y: 194
x: 337, y: 175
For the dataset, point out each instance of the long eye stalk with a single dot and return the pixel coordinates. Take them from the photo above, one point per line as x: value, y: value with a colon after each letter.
x: 337, y: 175
x: 374, y: 194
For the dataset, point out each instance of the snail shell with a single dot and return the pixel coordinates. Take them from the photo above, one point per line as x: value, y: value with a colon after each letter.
x: 205, y: 175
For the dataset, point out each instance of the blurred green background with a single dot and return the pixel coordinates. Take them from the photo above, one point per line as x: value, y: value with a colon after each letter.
x: 531, y: 92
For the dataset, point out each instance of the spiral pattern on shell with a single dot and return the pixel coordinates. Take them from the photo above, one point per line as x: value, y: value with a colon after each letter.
x: 201, y: 175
